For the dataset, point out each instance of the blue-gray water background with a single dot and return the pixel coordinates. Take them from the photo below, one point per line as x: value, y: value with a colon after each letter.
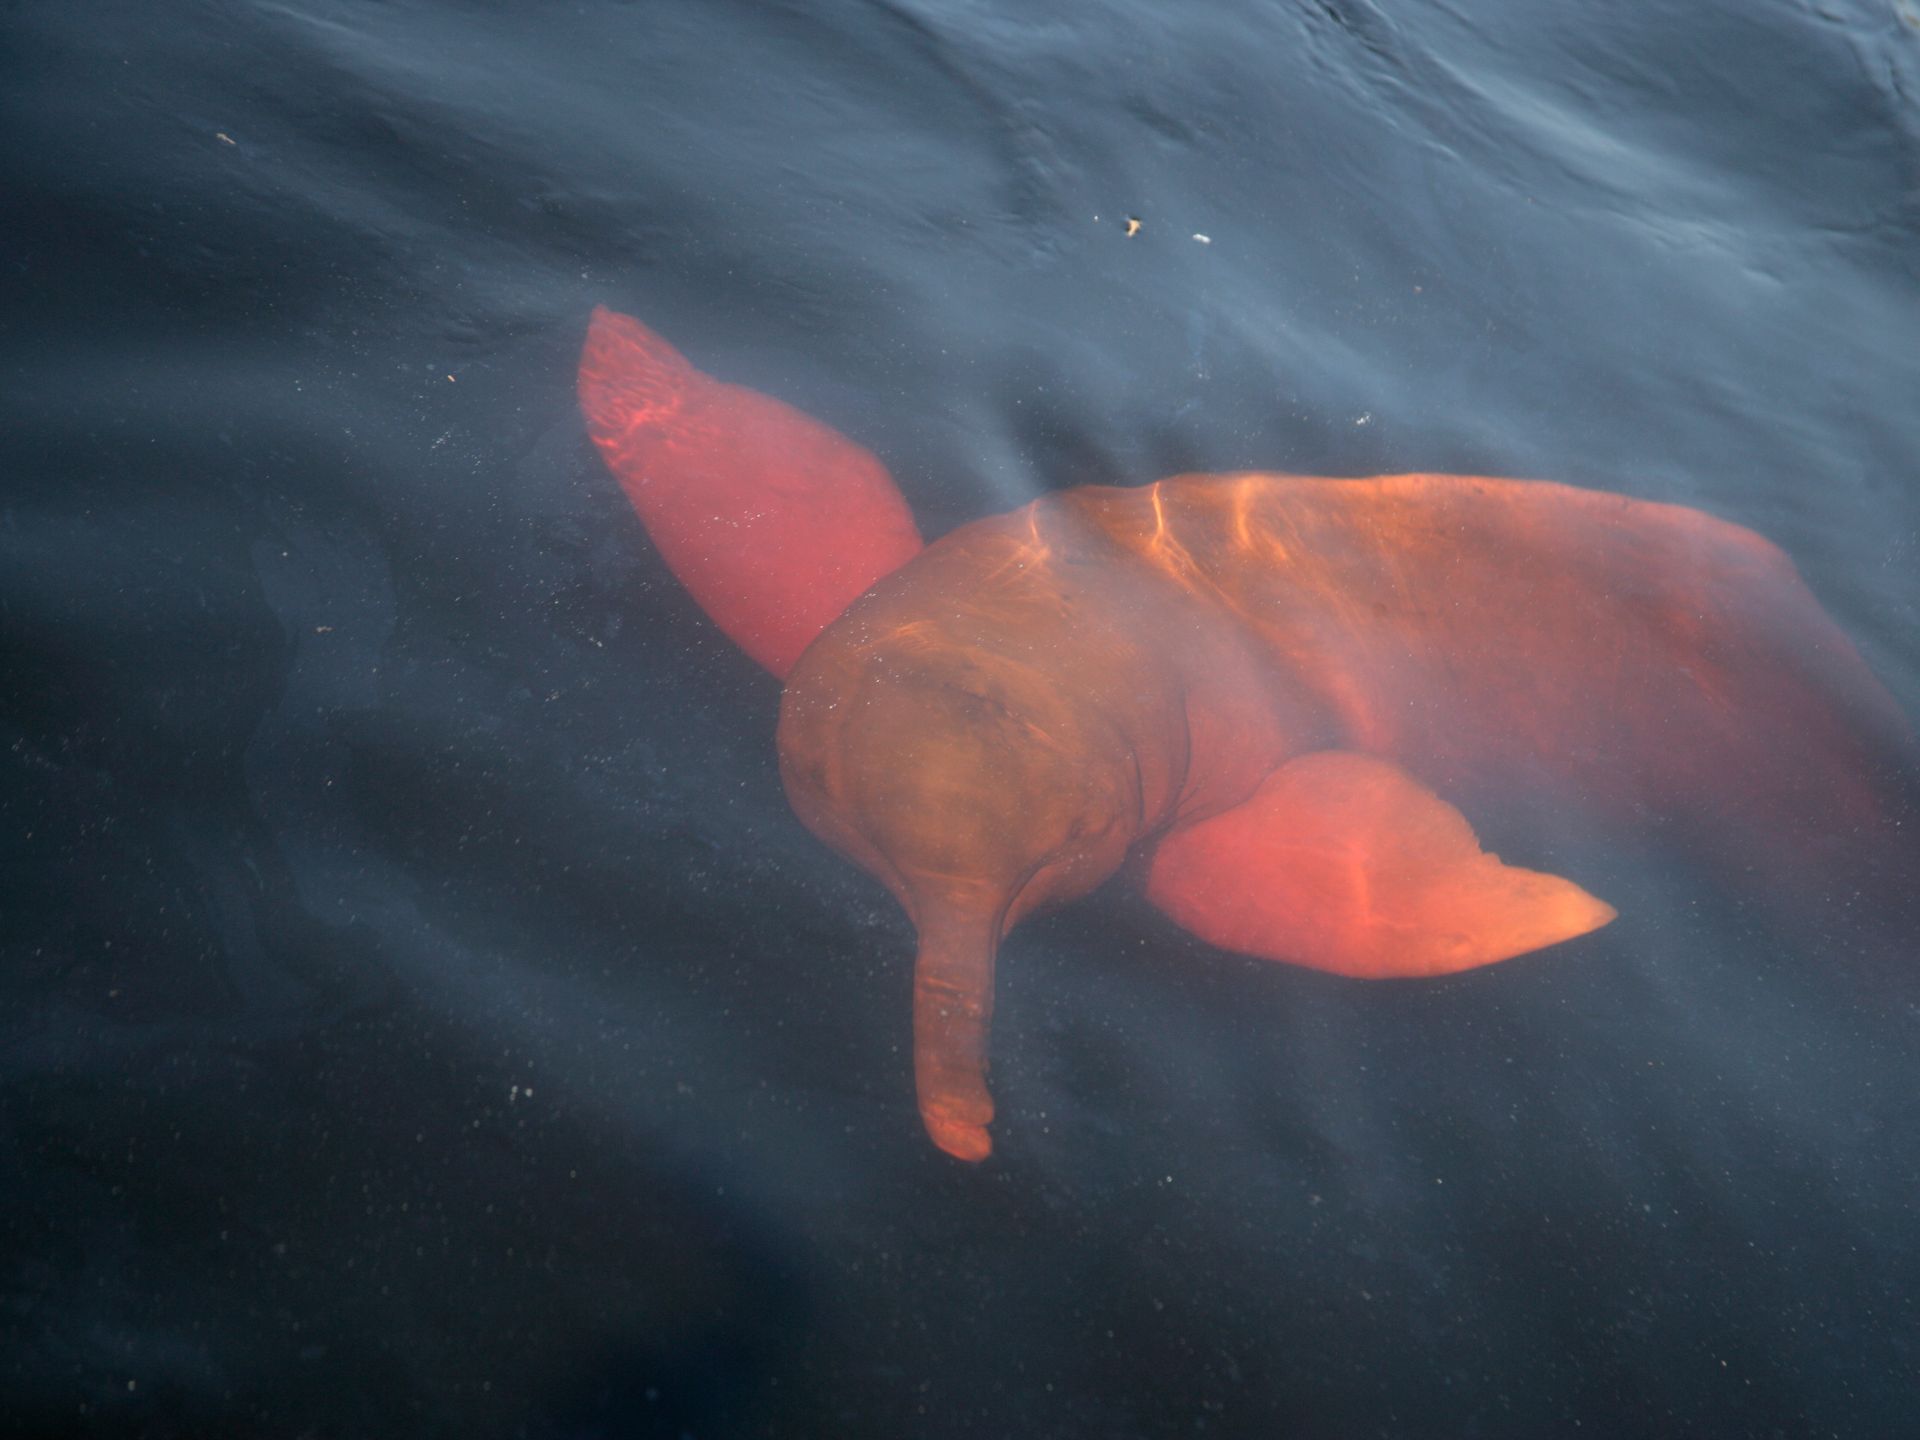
x: 420, y: 1012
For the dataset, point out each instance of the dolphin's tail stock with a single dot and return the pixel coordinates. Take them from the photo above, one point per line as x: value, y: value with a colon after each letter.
x: 774, y: 522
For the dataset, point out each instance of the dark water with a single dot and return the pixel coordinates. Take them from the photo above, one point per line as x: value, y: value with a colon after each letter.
x: 421, y: 1013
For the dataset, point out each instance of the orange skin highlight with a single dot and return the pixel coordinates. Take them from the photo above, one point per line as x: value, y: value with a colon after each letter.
x: 1276, y: 688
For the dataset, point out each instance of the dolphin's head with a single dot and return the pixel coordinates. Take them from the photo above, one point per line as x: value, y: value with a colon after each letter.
x: 977, y: 786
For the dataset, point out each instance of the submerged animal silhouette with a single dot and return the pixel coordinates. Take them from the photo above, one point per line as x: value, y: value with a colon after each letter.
x: 1279, y: 687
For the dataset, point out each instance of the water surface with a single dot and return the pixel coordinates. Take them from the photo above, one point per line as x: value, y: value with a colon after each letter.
x: 422, y: 1014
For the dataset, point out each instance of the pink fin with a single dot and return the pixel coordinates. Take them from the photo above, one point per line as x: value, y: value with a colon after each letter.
x: 774, y: 522
x: 1343, y: 862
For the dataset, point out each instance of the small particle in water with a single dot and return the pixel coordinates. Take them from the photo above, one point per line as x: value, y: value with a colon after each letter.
x: 224, y: 138
x: 1133, y: 226
x: 1365, y: 419
x: 1203, y: 239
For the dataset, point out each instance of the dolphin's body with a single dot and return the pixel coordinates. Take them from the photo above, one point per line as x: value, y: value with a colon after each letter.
x: 1282, y: 685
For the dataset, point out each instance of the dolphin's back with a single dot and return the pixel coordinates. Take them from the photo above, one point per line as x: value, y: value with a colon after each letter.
x: 1493, y: 635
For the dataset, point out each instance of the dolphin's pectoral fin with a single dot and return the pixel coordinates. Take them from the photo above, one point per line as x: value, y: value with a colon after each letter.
x: 774, y: 522
x: 1343, y: 862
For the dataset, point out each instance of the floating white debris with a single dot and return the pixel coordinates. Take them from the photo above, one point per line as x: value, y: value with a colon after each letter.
x: 1203, y: 239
